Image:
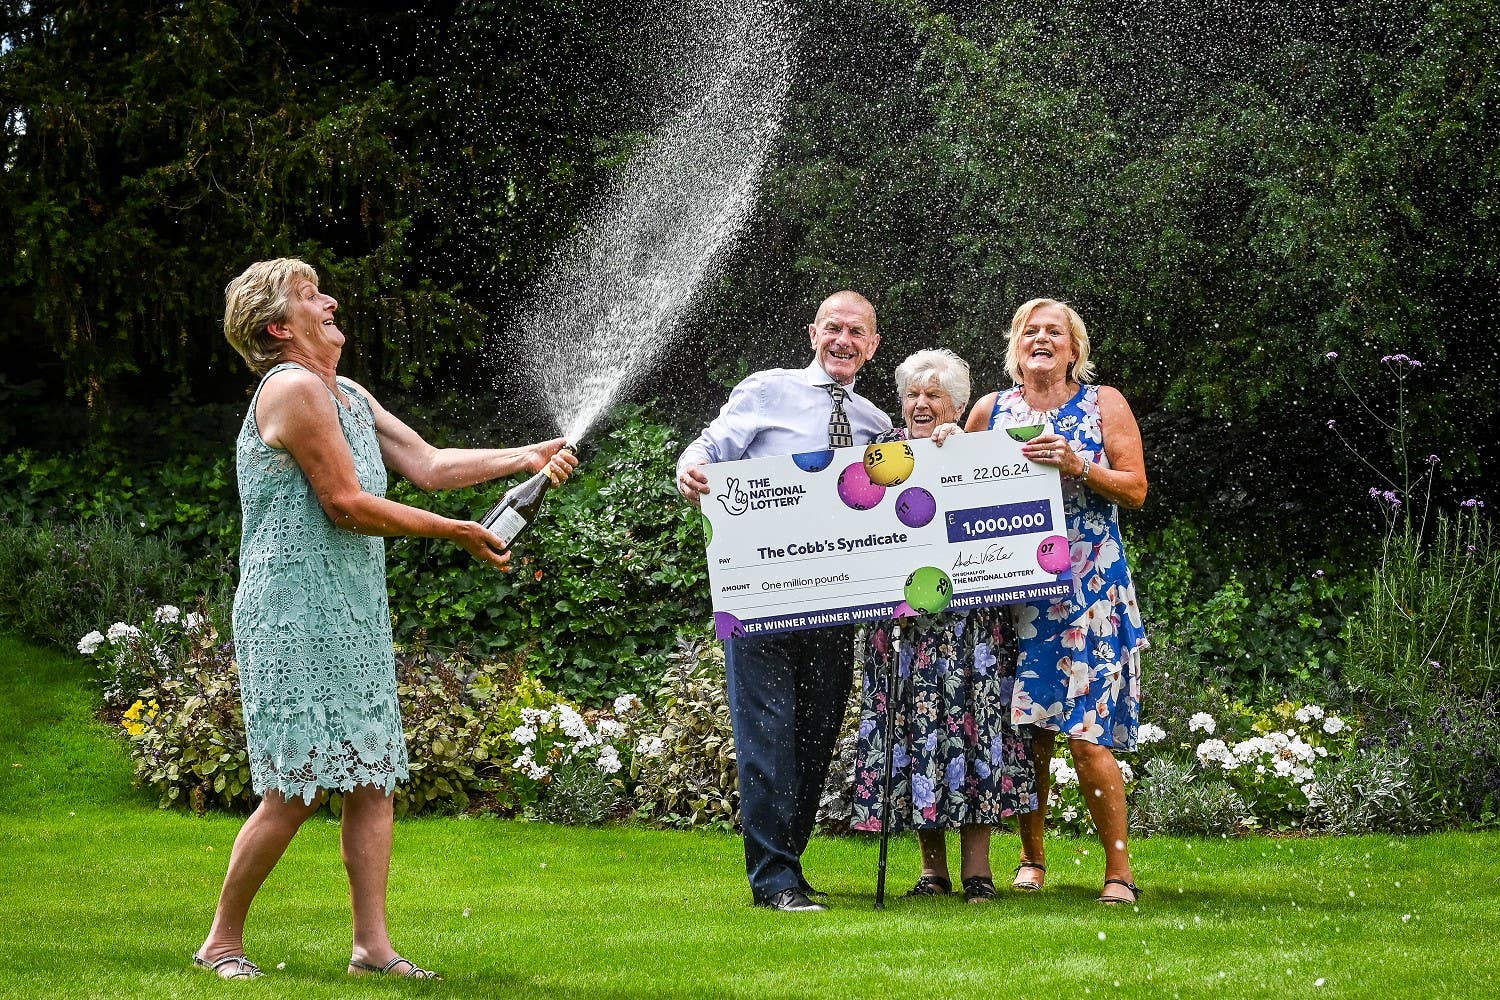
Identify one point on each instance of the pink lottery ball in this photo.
(1052, 554)
(857, 490)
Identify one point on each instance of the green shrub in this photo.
(59, 581)
(1366, 793)
(578, 794)
(1267, 624)
(1172, 797)
(600, 585)
(687, 776)
(187, 729)
(1423, 659)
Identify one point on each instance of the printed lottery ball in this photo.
(928, 590)
(727, 626)
(1025, 433)
(708, 529)
(1052, 554)
(856, 489)
(889, 463)
(915, 507)
(814, 461)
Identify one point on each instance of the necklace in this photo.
(1069, 389)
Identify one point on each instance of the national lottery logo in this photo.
(757, 494)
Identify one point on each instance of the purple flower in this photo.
(1400, 359)
(1318, 573)
(1433, 460)
(1332, 356)
(1330, 425)
(1472, 502)
(955, 773)
(1374, 493)
(922, 791)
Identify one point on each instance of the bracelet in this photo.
(1083, 476)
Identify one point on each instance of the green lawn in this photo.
(102, 895)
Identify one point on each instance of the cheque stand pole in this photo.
(890, 757)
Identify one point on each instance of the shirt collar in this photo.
(817, 377)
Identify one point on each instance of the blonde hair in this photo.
(950, 370)
(255, 300)
(1080, 370)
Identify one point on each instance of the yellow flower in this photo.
(138, 716)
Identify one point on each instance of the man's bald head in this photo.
(848, 299)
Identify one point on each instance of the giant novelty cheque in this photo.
(884, 530)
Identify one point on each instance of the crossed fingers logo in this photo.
(735, 500)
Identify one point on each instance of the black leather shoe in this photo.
(792, 901)
(811, 893)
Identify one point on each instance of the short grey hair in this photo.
(255, 300)
(950, 370)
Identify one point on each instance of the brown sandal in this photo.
(1135, 893)
(1021, 886)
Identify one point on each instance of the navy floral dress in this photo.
(1079, 667)
(959, 760)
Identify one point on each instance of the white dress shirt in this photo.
(781, 412)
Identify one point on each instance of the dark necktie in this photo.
(839, 433)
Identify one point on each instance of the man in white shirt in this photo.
(787, 689)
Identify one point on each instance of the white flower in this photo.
(168, 614)
(523, 735)
(609, 760)
(192, 621)
(1203, 721)
(627, 704)
(1149, 733)
(1308, 713)
(537, 717)
(1127, 774)
(119, 631)
(571, 723)
(1062, 774)
(1069, 814)
(1333, 724)
(609, 729)
(1216, 752)
(91, 642)
(650, 746)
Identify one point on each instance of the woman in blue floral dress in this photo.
(1078, 669)
(959, 764)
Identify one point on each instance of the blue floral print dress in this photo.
(1078, 671)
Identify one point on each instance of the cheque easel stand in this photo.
(892, 673)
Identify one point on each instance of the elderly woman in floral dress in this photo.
(1078, 671)
(958, 762)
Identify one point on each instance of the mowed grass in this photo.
(103, 895)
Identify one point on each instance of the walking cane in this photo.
(890, 757)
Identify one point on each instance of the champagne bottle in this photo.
(520, 505)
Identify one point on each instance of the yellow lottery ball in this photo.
(889, 463)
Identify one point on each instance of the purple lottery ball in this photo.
(856, 489)
(915, 507)
(727, 626)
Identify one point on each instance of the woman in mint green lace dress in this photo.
(311, 621)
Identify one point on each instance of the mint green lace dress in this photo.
(312, 625)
